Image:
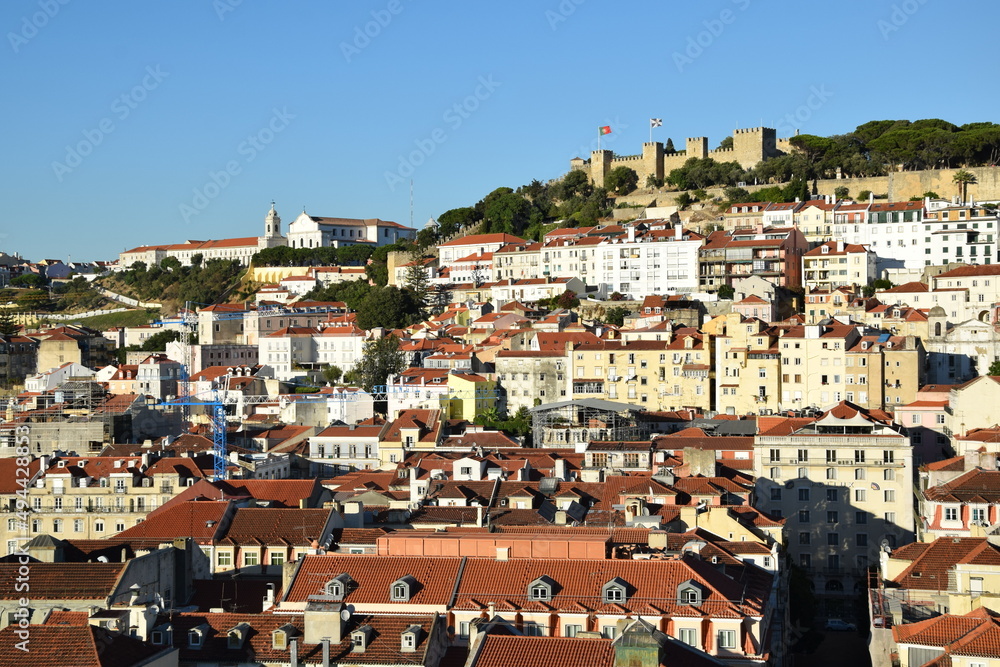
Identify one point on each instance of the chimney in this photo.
(479, 515)
(325, 643)
(678, 232)
(561, 518)
(871, 197)
(689, 517)
(657, 539)
(503, 554)
(840, 245)
(269, 596)
(630, 231)
(293, 652)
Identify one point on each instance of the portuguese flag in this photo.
(605, 129)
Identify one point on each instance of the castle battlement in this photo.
(751, 146)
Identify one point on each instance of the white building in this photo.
(309, 231)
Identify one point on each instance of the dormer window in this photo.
(339, 586)
(360, 639)
(615, 590)
(409, 639)
(195, 637)
(541, 589)
(280, 637)
(403, 589)
(689, 593)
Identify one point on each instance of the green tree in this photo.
(197, 258)
(841, 192)
(725, 144)
(726, 292)
(34, 300)
(616, 315)
(621, 180)
(994, 369)
(506, 213)
(8, 327)
(170, 264)
(864, 195)
(387, 307)
(963, 178)
(332, 374)
(416, 279)
(653, 182)
(28, 280)
(669, 147)
(683, 200)
(380, 359)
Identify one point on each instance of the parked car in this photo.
(840, 625)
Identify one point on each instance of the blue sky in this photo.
(130, 123)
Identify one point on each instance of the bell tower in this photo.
(272, 229)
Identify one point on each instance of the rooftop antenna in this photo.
(411, 202)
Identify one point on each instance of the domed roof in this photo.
(431, 224)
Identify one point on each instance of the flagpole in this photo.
(598, 138)
(650, 131)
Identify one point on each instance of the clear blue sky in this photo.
(332, 113)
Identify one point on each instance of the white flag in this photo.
(656, 122)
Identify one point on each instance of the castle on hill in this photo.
(750, 147)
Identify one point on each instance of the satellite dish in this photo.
(345, 615)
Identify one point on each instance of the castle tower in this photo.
(754, 144)
(697, 147)
(600, 165)
(652, 161)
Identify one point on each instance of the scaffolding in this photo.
(568, 423)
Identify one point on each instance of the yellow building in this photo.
(748, 367)
(469, 394)
(657, 375)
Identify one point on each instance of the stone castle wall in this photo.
(750, 146)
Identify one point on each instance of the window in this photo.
(727, 639)
(951, 514)
(540, 592)
(803, 516)
(890, 495)
(277, 559)
(862, 539)
(889, 475)
(832, 539)
(689, 636)
(831, 517)
(250, 558)
(571, 630)
(463, 629)
(57, 525)
(775, 494)
(859, 473)
(860, 517)
(225, 558)
(831, 495)
(804, 495)
(890, 517)
(690, 596)
(831, 473)
(804, 538)
(859, 495)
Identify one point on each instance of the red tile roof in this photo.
(931, 563)
(271, 526)
(73, 646)
(62, 581)
(374, 576)
(510, 651)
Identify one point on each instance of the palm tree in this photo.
(962, 178)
